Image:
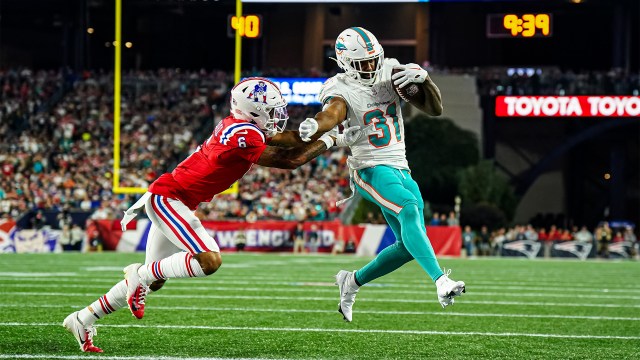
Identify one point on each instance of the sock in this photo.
(388, 260)
(416, 241)
(179, 265)
(113, 300)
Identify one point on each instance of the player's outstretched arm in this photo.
(332, 114)
(291, 158)
(413, 73)
(289, 138)
(283, 158)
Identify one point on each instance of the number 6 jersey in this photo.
(378, 105)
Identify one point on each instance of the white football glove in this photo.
(307, 129)
(350, 136)
(411, 73)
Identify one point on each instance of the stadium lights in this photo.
(128, 44)
(90, 30)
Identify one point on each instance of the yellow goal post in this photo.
(117, 87)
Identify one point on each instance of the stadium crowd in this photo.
(62, 154)
(61, 126)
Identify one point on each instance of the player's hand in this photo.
(411, 73)
(307, 129)
(350, 136)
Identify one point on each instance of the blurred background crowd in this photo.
(61, 126)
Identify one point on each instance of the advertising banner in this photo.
(568, 106)
(267, 236)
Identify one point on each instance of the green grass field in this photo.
(284, 307)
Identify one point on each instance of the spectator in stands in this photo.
(530, 233)
(484, 240)
(77, 237)
(554, 235)
(468, 239)
(618, 237)
(584, 235)
(604, 235)
(435, 220)
(498, 240)
(240, 239)
(313, 239)
(453, 220)
(38, 221)
(299, 238)
(566, 235)
(350, 246)
(338, 244)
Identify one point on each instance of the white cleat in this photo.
(344, 279)
(448, 289)
(83, 334)
(136, 290)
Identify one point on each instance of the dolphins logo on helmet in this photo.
(360, 55)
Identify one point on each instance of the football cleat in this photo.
(448, 289)
(83, 334)
(347, 293)
(136, 290)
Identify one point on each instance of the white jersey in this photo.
(380, 104)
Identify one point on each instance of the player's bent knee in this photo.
(209, 261)
(157, 285)
(410, 211)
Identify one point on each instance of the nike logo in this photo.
(80, 338)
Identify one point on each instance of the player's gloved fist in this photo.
(411, 73)
(349, 136)
(307, 129)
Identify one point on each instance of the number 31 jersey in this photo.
(383, 144)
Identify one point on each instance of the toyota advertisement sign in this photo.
(568, 106)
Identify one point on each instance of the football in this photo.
(413, 93)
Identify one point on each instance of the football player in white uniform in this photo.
(364, 95)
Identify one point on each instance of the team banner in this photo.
(620, 250)
(568, 106)
(14, 240)
(574, 249)
(527, 248)
(268, 236)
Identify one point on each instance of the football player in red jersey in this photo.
(178, 246)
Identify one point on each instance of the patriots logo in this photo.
(259, 93)
(529, 248)
(579, 249)
(620, 248)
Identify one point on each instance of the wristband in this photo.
(327, 140)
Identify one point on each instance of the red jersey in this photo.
(220, 161)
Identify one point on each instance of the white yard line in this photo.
(375, 312)
(309, 298)
(357, 331)
(310, 284)
(332, 289)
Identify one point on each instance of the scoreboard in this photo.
(519, 25)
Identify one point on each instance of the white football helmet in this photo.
(360, 55)
(259, 100)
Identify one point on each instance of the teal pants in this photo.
(399, 197)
